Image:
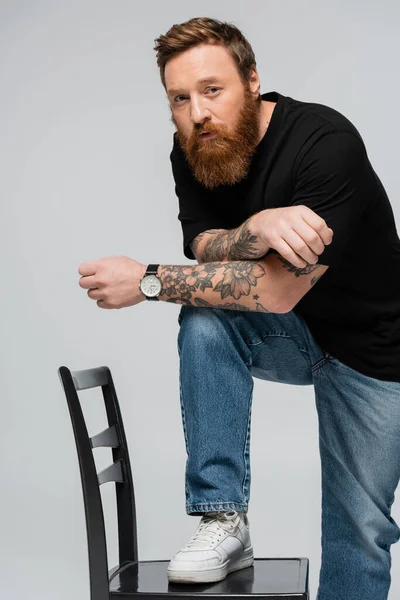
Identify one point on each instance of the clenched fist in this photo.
(113, 281)
(296, 232)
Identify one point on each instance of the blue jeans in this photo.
(359, 436)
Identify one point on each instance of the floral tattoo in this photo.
(182, 284)
(235, 244)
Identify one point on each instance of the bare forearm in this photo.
(236, 285)
(242, 243)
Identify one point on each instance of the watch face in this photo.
(150, 285)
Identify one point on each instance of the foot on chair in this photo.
(220, 545)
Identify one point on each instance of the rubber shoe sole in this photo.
(240, 561)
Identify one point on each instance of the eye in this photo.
(176, 99)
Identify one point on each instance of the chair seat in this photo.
(273, 578)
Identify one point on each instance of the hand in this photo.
(113, 281)
(296, 232)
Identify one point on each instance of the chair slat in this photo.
(108, 438)
(111, 473)
(90, 378)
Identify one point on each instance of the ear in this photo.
(254, 82)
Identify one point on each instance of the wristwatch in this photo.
(150, 284)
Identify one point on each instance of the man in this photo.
(275, 195)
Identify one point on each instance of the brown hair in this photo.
(202, 30)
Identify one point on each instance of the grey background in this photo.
(85, 173)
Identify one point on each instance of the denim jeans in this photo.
(359, 435)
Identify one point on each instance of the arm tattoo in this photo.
(229, 305)
(196, 285)
(314, 280)
(196, 242)
(236, 244)
(296, 270)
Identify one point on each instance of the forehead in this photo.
(205, 62)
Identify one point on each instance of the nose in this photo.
(198, 111)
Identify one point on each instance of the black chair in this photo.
(268, 578)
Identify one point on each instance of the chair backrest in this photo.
(119, 472)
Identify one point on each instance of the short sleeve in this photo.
(335, 179)
(195, 207)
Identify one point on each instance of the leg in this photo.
(359, 420)
(220, 351)
(216, 390)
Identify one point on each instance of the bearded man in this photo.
(296, 282)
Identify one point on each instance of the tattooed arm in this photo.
(219, 245)
(297, 233)
(265, 285)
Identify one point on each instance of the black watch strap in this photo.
(152, 270)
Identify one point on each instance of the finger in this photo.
(94, 294)
(102, 304)
(300, 247)
(286, 252)
(309, 236)
(87, 268)
(318, 224)
(88, 282)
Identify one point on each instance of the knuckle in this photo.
(274, 237)
(301, 246)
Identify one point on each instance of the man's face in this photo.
(222, 106)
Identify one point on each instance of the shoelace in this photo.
(209, 530)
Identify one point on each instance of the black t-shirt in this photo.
(312, 155)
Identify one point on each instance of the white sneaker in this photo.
(220, 545)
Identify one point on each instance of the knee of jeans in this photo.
(199, 325)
